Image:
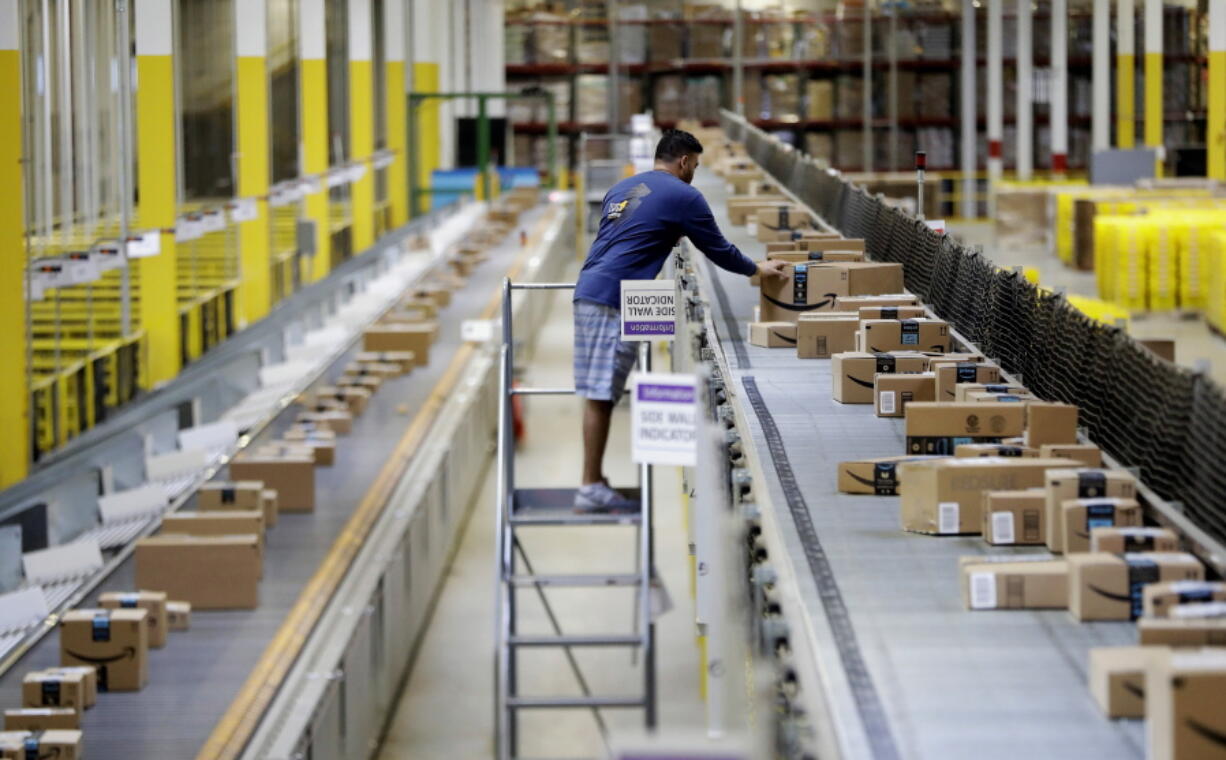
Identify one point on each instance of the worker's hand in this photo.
(771, 269)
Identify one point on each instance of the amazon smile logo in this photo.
(803, 307)
(861, 383)
(1110, 594)
(1211, 734)
(783, 337)
(128, 653)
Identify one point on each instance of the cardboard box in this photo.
(439, 294)
(962, 390)
(744, 179)
(222, 494)
(1087, 454)
(1117, 679)
(803, 288)
(853, 372)
(1019, 585)
(1048, 422)
(53, 689)
(877, 477)
(42, 719)
(950, 374)
(1184, 715)
(1014, 518)
(337, 420)
(355, 399)
(937, 428)
(271, 506)
(179, 615)
(945, 496)
(880, 335)
(1121, 540)
(1082, 515)
(999, 398)
(152, 602)
(892, 392)
(89, 674)
(322, 443)
(964, 450)
(291, 475)
(1182, 632)
(742, 208)
(1109, 586)
(798, 257)
(368, 383)
(772, 334)
(891, 312)
(403, 359)
(210, 572)
(416, 338)
(382, 370)
(816, 242)
(116, 642)
(60, 744)
(1084, 483)
(867, 278)
(778, 222)
(1158, 599)
(857, 302)
(216, 524)
(819, 336)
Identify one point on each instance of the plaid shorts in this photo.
(602, 359)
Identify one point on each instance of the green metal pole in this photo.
(483, 147)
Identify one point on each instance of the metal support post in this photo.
(1025, 90)
(921, 164)
(1153, 82)
(1125, 75)
(483, 149)
(966, 95)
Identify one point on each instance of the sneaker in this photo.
(599, 498)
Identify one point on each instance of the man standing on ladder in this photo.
(642, 218)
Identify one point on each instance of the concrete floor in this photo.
(1196, 345)
(446, 711)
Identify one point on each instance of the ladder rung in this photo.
(571, 518)
(584, 581)
(542, 391)
(579, 702)
(577, 640)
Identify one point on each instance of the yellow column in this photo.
(313, 118)
(1153, 80)
(1215, 131)
(426, 129)
(361, 122)
(1125, 76)
(14, 395)
(157, 158)
(251, 45)
(397, 126)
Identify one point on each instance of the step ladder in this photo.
(523, 508)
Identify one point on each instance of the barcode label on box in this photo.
(887, 402)
(947, 517)
(1002, 528)
(983, 591)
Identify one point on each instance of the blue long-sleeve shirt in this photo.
(642, 218)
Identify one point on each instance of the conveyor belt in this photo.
(194, 678)
(951, 683)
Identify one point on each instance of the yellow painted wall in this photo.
(426, 128)
(1153, 104)
(1125, 101)
(1216, 132)
(156, 159)
(398, 172)
(362, 144)
(253, 172)
(14, 395)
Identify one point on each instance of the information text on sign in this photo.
(648, 309)
(663, 419)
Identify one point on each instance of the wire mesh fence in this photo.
(1168, 421)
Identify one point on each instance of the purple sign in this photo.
(649, 328)
(675, 394)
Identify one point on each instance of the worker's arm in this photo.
(699, 226)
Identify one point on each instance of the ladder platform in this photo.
(555, 506)
(577, 640)
(528, 703)
(577, 581)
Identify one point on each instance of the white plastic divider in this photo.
(143, 501)
(63, 562)
(21, 609)
(215, 437)
(175, 464)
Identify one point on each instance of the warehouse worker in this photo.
(642, 218)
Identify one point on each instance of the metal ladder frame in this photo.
(507, 641)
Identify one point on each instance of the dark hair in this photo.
(676, 143)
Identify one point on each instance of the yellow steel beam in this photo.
(1215, 133)
(157, 158)
(1153, 80)
(14, 395)
(253, 149)
(313, 116)
(361, 122)
(1125, 76)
